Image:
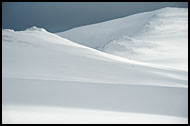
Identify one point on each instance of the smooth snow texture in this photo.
(42, 69)
(37, 54)
(57, 115)
(157, 37)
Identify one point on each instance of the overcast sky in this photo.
(60, 16)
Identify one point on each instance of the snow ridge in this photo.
(34, 28)
(7, 30)
(157, 37)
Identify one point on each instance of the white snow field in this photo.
(157, 37)
(49, 79)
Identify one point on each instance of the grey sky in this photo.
(60, 16)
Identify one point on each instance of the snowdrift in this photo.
(41, 69)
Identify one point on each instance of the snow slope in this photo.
(58, 115)
(43, 73)
(157, 37)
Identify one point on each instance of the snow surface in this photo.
(59, 115)
(49, 79)
(158, 37)
(34, 28)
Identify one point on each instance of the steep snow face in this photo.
(42, 69)
(158, 37)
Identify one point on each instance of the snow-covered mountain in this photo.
(158, 37)
(49, 79)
